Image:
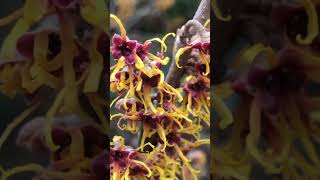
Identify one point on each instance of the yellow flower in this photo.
(126, 162)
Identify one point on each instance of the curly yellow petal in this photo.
(313, 26)
(17, 121)
(179, 53)
(122, 29)
(217, 11)
(164, 40)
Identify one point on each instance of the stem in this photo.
(201, 15)
(203, 11)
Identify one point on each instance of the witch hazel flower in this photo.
(197, 100)
(56, 63)
(126, 162)
(276, 88)
(137, 69)
(125, 52)
(197, 86)
(204, 54)
(150, 107)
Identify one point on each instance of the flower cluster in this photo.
(62, 59)
(170, 120)
(275, 123)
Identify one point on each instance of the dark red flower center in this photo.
(125, 49)
(119, 156)
(198, 86)
(283, 79)
(286, 77)
(148, 120)
(142, 50)
(173, 138)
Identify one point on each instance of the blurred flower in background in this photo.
(265, 99)
(55, 57)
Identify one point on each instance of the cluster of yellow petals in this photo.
(169, 112)
(148, 68)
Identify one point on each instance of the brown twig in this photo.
(203, 11)
(184, 35)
